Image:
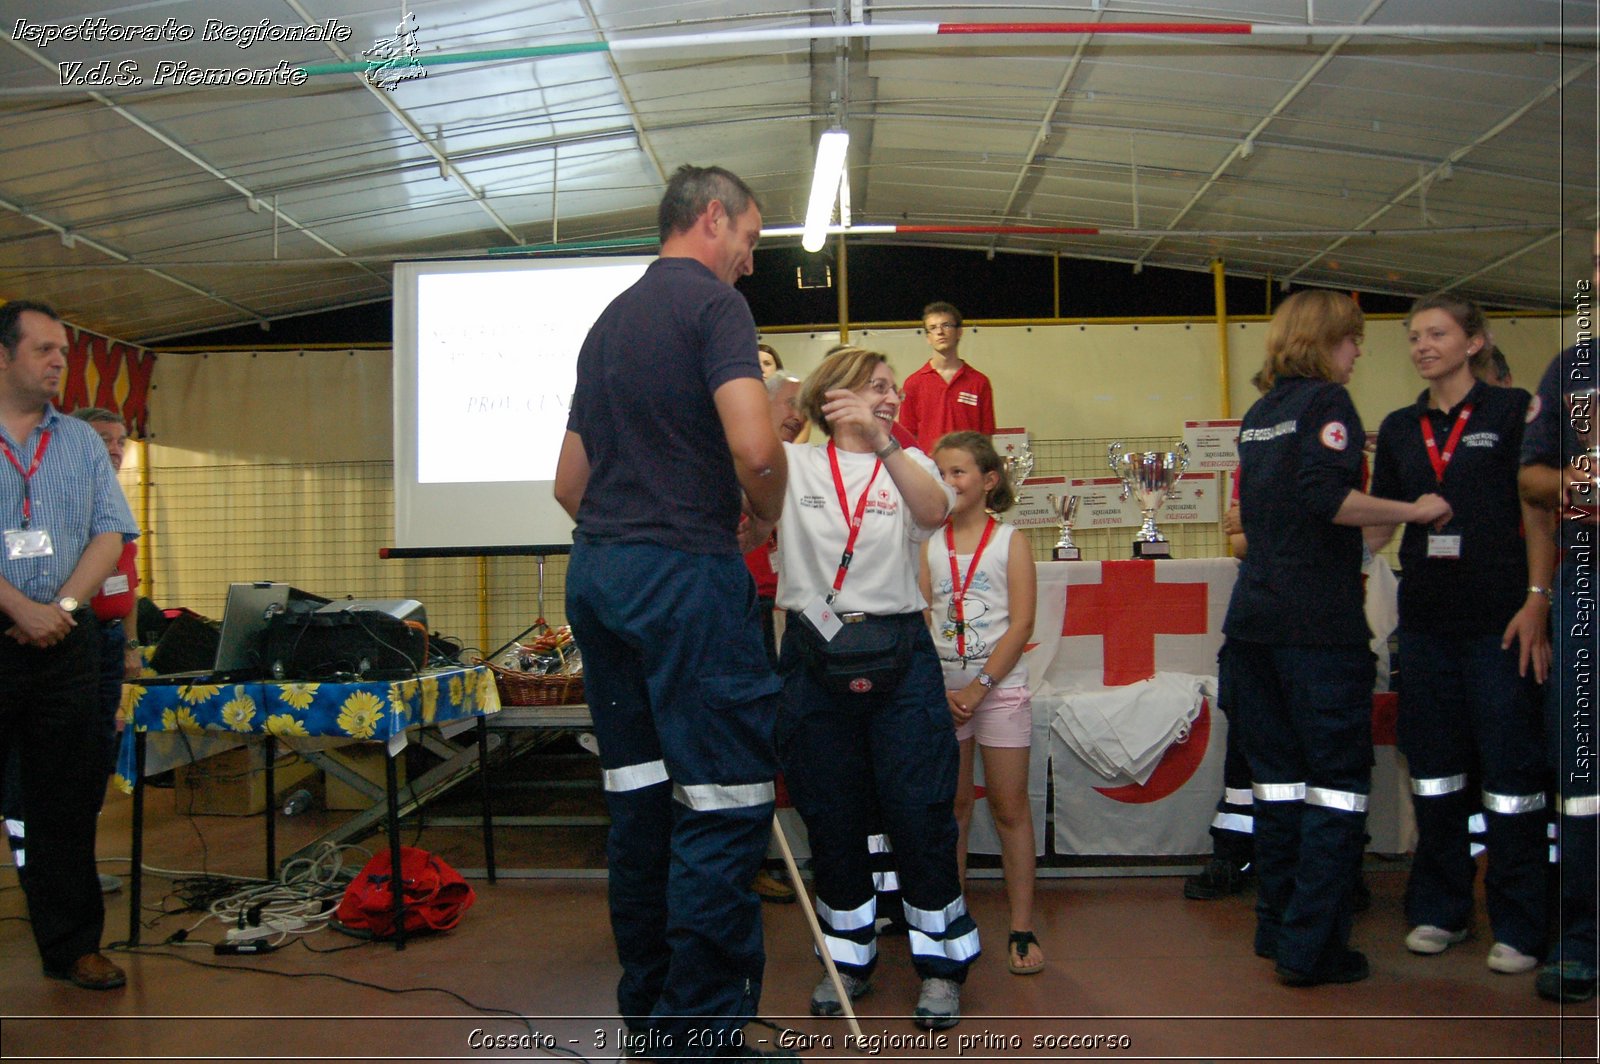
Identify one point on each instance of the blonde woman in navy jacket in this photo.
(1297, 639)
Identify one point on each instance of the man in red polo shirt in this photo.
(946, 394)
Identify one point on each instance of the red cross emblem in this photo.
(1334, 436)
(1128, 608)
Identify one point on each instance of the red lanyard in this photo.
(958, 586)
(38, 456)
(1440, 461)
(844, 507)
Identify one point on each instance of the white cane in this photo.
(816, 928)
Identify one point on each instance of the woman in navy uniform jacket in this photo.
(1474, 616)
(1297, 639)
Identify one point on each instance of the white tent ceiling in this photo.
(1404, 160)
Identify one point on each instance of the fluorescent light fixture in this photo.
(824, 187)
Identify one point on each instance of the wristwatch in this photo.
(131, 644)
(68, 603)
(986, 681)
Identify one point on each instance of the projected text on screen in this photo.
(496, 364)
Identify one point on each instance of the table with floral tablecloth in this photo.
(367, 711)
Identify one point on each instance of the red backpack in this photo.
(435, 896)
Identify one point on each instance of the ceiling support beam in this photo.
(385, 99)
(1246, 146)
(1426, 179)
(627, 101)
(71, 238)
(1046, 129)
(1489, 267)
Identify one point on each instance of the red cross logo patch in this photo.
(1334, 436)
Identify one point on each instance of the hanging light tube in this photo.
(824, 187)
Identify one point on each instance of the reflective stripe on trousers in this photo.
(634, 777)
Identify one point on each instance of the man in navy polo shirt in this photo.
(65, 521)
(669, 422)
(1558, 473)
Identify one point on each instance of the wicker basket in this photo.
(537, 689)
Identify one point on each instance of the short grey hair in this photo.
(98, 415)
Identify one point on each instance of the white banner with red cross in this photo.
(1123, 622)
(1109, 624)
(1103, 625)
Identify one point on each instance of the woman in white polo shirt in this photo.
(864, 734)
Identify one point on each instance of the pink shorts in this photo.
(1003, 718)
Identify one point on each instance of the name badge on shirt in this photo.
(28, 543)
(822, 617)
(116, 584)
(1444, 545)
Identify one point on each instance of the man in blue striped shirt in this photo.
(64, 520)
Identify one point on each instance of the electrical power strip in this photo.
(268, 928)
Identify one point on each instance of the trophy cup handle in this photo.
(1182, 452)
(1113, 452)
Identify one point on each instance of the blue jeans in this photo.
(1466, 714)
(684, 704)
(1306, 715)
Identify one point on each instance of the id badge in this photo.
(822, 617)
(1444, 545)
(28, 543)
(116, 584)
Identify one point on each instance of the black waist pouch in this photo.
(870, 655)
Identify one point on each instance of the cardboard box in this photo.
(366, 759)
(234, 782)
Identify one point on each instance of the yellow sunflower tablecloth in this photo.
(210, 718)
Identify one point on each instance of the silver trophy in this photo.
(1066, 509)
(1019, 466)
(1152, 478)
(1581, 418)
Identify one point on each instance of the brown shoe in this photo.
(92, 971)
(768, 888)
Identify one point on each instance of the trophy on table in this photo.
(1019, 466)
(1151, 477)
(1066, 508)
(1581, 417)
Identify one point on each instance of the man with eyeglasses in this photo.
(946, 394)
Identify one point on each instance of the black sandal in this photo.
(1022, 940)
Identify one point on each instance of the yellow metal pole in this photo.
(1220, 289)
(844, 294)
(1055, 284)
(483, 602)
(147, 556)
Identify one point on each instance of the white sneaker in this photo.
(939, 1006)
(825, 998)
(1509, 960)
(1428, 940)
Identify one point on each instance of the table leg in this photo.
(269, 780)
(483, 790)
(391, 778)
(136, 873)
